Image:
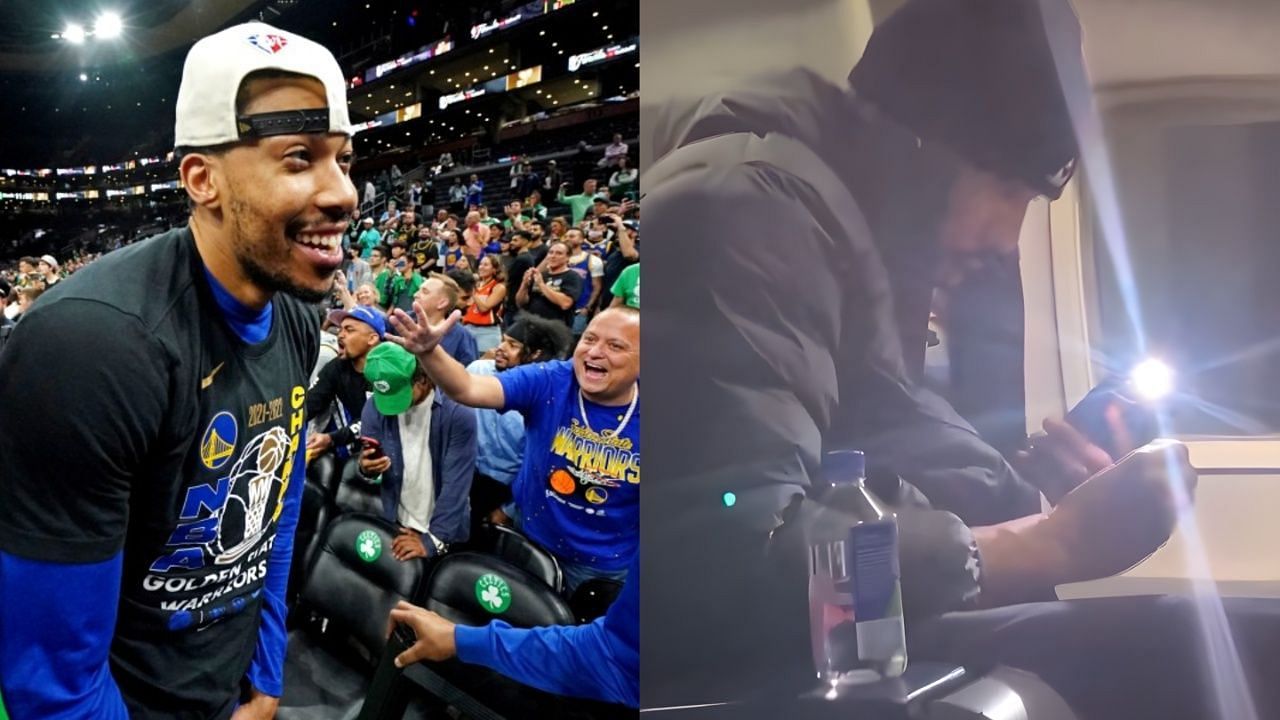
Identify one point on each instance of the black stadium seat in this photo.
(354, 580)
(355, 494)
(515, 548)
(452, 590)
(593, 597)
(317, 497)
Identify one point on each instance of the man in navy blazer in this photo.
(426, 454)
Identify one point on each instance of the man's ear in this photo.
(201, 177)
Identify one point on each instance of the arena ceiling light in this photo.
(73, 34)
(108, 25)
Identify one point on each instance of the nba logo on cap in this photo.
(270, 44)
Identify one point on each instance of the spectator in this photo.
(408, 226)
(457, 194)
(438, 298)
(415, 195)
(496, 241)
(392, 212)
(533, 206)
(370, 196)
(475, 191)
(591, 269)
(600, 206)
(403, 284)
(382, 273)
(578, 204)
(483, 316)
(623, 180)
(626, 289)
(452, 250)
(484, 216)
(475, 236)
(351, 237)
(615, 151)
(396, 177)
(391, 230)
(466, 282)
(425, 248)
(559, 224)
(577, 493)
(517, 262)
(48, 269)
(551, 293)
(427, 458)
(538, 244)
(626, 251)
(26, 297)
(442, 219)
(367, 295)
(369, 237)
(501, 434)
(553, 178)
(337, 398)
(446, 161)
(27, 270)
(356, 270)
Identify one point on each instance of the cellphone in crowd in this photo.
(372, 444)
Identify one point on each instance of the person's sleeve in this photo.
(451, 519)
(619, 286)
(525, 386)
(320, 395)
(599, 661)
(596, 266)
(266, 672)
(54, 652)
(67, 458)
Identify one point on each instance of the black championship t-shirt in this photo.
(154, 429)
(567, 282)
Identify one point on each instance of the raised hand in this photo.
(419, 338)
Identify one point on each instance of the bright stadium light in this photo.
(74, 34)
(109, 25)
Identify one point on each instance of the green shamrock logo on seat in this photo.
(368, 546)
(493, 593)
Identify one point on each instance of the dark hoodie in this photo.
(792, 338)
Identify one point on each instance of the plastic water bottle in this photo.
(855, 598)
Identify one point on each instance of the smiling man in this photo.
(143, 564)
(578, 489)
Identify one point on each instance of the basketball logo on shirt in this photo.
(218, 443)
(243, 517)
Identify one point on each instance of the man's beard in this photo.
(272, 280)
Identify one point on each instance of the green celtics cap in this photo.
(389, 369)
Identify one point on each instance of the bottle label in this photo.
(872, 556)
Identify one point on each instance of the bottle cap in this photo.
(844, 467)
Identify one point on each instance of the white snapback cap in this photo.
(218, 64)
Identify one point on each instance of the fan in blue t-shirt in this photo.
(578, 489)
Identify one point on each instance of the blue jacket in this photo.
(453, 464)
